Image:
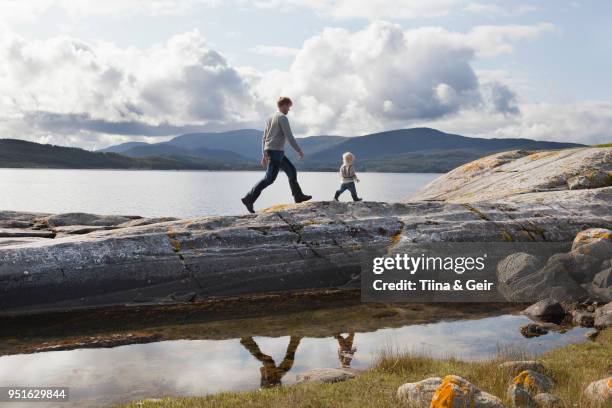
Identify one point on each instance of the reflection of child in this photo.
(347, 172)
(346, 351)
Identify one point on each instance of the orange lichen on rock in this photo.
(523, 379)
(174, 243)
(592, 234)
(474, 165)
(396, 238)
(532, 381)
(454, 391)
(540, 155)
(278, 207)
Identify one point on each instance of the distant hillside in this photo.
(171, 150)
(121, 148)
(403, 150)
(23, 154)
(427, 141)
(420, 150)
(245, 144)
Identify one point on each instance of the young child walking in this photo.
(347, 173)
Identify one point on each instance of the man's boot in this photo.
(248, 203)
(301, 198)
(336, 196)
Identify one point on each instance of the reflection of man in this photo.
(346, 351)
(271, 374)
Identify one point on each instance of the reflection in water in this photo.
(346, 351)
(271, 374)
(103, 377)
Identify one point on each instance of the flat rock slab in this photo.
(327, 375)
(59, 220)
(21, 241)
(20, 219)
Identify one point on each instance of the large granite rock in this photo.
(546, 310)
(524, 277)
(600, 391)
(603, 316)
(451, 391)
(125, 260)
(581, 273)
(533, 382)
(418, 394)
(455, 391)
(519, 397)
(507, 174)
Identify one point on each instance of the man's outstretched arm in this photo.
(284, 124)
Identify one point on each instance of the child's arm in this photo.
(354, 174)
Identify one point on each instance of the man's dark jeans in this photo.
(277, 161)
(350, 186)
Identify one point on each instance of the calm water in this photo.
(178, 193)
(102, 377)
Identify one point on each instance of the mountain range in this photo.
(403, 150)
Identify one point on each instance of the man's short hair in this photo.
(284, 100)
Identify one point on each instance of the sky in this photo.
(91, 74)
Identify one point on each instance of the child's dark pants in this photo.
(350, 186)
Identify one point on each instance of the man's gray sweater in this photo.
(277, 132)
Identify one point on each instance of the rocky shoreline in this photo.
(76, 261)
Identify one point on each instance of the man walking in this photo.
(273, 158)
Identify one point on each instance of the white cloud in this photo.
(491, 40)
(587, 122)
(384, 76)
(65, 85)
(67, 91)
(494, 10)
(275, 51)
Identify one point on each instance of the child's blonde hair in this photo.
(348, 158)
